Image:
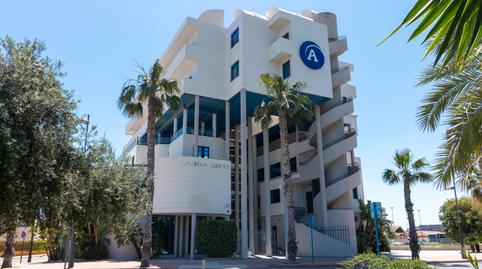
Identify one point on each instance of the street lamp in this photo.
(461, 235)
(419, 219)
(393, 219)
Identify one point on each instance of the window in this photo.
(355, 193)
(203, 152)
(261, 175)
(275, 170)
(234, 70)
(133, 160)
(309, 202)
(293, 165)
(259, 202)
(287, 35)
(286, 70)
(275, 196)
(234, 37)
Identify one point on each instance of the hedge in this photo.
(38, 247)
(216, 238)
(370, 260)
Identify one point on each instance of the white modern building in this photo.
(214, 161)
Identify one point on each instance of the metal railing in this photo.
(336, 70)
(330, 106)
(346, 135)
(340, 233)
(352, 169)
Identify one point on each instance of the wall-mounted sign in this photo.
(311, 55)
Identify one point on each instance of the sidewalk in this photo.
(434, 256)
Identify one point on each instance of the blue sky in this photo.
(100, 42)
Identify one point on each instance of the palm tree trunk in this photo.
(286, 168)
(147, 234)
(9, 249)
(414, 247)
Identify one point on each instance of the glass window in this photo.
(286, 70)
(275, 196)
(234, 70)
(355, 193)
(133, 160)
(309, 202)
(235, 37)
(261, 175)
(287, 35)
(275, 170)
(293, 165)
(203, 152)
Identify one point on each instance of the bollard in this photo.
(203, 264)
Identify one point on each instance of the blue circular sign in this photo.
(311, 55)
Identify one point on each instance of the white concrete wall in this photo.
(192, 185)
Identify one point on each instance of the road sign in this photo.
(376, 210)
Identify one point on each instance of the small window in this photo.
(261, 175)
(275, 196)
(286, 70)
(355, 193)
(309, 202)
(275, 170)
(293, 165)
(287, 35)
(235, 37)
(133, 160)
(203, 152)
(259, 202)
(234, 70)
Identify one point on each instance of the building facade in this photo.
(214, 161)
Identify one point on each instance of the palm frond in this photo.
(390, 177)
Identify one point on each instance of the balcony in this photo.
(338, 45)
(346, 183)
(183, 62)
(280, 50)
(190, 130)
(339, 146)
(340, 76)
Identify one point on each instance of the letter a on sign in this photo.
(312, 56)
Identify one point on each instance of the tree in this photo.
(469, 212)
(286, 101)
(409, 172)
(37, 127)
(157, 92)
(365, 231)
(456, 28)
(456, 98)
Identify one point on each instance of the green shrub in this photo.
(371, 261)
(216, 238)
(38, 247)
(88, 249)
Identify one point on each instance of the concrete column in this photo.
(214, 125)
(186, 236)
(319, 202)
(251, 195)
(196, 124)
(244, 178)
(267, 193)
(227, 131)
(236, 188)
(193, 234)
(255, 194)
(176, 235)
(174, 127)
(181, 237)
(184, 121)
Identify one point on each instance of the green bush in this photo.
(371, 261)
(88, 249)
(38, 247)
(216, 238)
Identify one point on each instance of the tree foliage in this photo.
(216, 238)
(469, 212)
(365, 231)
(453, 28)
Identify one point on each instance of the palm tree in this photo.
(456, 27)
(157, 92)
(457, 96)
(286, 101)
(409, 172)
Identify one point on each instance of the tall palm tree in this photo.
(457, 98)
(286, 101)
(157, 92)
(456, 27)
(409, 172)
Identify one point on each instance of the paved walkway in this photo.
(434, 256)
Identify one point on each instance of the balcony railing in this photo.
(347, 134)
(332, 39)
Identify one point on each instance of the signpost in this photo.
(312, 223)
(376, 213)
(24, 234)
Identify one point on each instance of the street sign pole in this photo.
(376, 235)
(376, 213)
(24, 234)
(312, 223)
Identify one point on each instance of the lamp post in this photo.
(393, 218)
(419, 218)
(461, 233)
